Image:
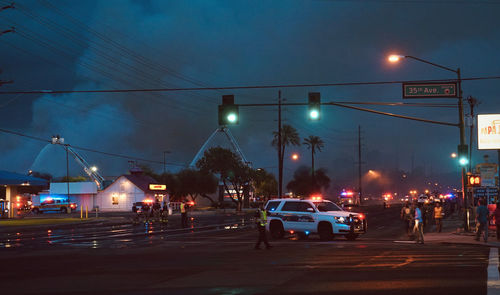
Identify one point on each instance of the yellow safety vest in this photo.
(438, 212)
(183, 208)
(263, 217)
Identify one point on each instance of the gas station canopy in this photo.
(16, 179)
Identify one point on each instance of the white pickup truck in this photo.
(305, 217)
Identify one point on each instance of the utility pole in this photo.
(472, 102)
(280, 156)
(359, 166)
(67, 169)
(462, 144)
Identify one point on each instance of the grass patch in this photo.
(40, 221)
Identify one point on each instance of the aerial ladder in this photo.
(90, 170)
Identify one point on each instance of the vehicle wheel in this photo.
(325, 231)
(351, 237)
(64, 210)
(276, 229)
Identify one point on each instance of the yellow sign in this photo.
(157, 187)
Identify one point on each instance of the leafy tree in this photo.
(229, 167)
(46, 176)
(173, 185)
(314, 143)
(302, 184)
(73, 179)
(195, 183)
(289, 136)
(264, 184)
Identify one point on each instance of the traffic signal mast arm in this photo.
(344, 105)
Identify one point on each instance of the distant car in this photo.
(424, 199)
(51, 205)
(306, 217)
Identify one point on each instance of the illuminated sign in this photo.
(428, 90)
(157, 187)
(488, 132)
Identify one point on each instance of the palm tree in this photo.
(314, 143)
(289, 136)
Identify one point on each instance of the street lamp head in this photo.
(93, 168)
(453, 155)
(395, 58)
(295, 156)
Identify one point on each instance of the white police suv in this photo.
(305, 217)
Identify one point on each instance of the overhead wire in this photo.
(251, 86)
(92, 150)
(101, 68)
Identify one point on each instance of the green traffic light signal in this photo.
(463, 161)
(228, 111)
(314, 106)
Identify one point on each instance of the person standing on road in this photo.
(419, 224)
(184, 219)
(438, 216)
(407, 217)
(482, 216)
(261, 226)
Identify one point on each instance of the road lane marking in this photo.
(493, 275)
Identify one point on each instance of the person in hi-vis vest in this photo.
(184, 219)
(261, 226)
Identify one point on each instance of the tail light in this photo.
(361, 216)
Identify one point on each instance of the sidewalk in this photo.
(452, 233)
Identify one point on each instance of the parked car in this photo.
(52, 205)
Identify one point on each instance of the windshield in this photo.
(327, 206)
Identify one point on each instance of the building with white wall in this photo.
(128, 189)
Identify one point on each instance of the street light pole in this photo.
(280, 156)
(395, 58)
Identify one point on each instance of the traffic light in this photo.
(228, 111)
(474, 180)
(463, 160)
(314, 108)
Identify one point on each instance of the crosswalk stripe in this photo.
(493, 275)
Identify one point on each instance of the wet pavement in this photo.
(116, 233)
(217, 257)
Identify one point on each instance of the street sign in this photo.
(487, 172)
(482, 192)
(429, 90)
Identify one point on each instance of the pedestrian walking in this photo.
(407, 217)
(482, 216)
(438, 216)
(184, 219)
(418, 229)
(496, 214)
(261, 226)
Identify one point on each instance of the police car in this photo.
(305, 217)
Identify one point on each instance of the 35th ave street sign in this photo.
(429, 90)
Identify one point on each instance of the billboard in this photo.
(488, 132)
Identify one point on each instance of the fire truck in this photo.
(348, 198)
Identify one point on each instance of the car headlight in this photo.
(340, 219)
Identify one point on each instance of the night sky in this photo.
(168, 44)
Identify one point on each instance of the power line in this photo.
(92, 150)
(244, 87)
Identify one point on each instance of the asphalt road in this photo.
(221, 260)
